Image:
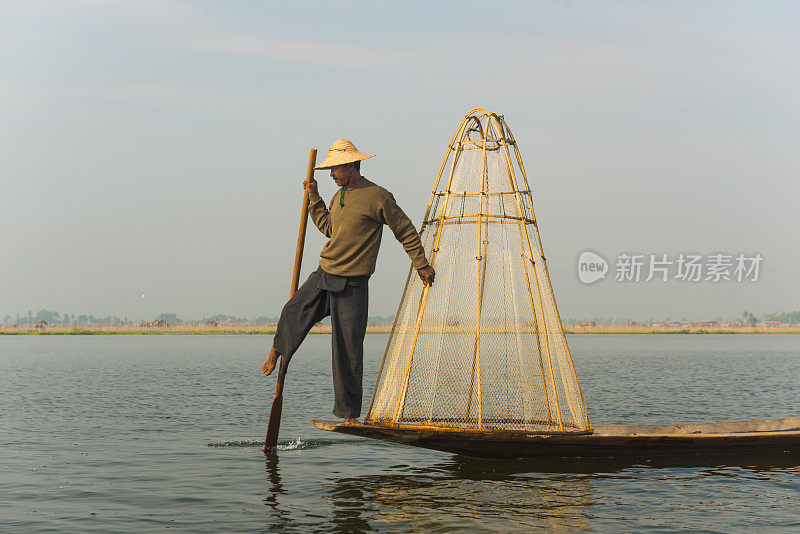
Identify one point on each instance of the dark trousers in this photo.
(345, 299)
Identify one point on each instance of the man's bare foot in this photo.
(269, 365)
(352, 421)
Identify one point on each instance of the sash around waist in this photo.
(336, 284)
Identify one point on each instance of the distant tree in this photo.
(784, 317)
(750, 319)
(50, 317)
(171, 318)
(223, 318)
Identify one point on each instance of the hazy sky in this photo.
(156, 147)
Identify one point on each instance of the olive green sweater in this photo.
(355, 229)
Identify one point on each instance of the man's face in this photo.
(341, 173)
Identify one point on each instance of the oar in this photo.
(271, 442)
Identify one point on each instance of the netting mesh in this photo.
(484, 346)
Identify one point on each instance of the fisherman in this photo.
(353, 225)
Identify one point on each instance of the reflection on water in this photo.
(554, 495)
(422, 502)
(600, 466)
(279, 518)
(489, 496)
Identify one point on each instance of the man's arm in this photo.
(317, 209)
(407, 235)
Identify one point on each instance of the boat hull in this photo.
(614, 441)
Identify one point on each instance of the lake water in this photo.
(143, 433)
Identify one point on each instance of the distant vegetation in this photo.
(53, 322)
(170, 318)
(746, 320)
(784, 317)
(55, 318)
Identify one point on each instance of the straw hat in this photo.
(342, 151)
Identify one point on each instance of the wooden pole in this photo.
(480, 277)
(274, 425)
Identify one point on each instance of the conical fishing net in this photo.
(483, 348)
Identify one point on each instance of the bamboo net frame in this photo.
(484, 347)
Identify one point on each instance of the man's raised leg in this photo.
(308, 306)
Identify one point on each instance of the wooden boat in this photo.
(478, 364)
(615, 441)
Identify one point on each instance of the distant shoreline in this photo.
(383, 329)
(163, 331)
